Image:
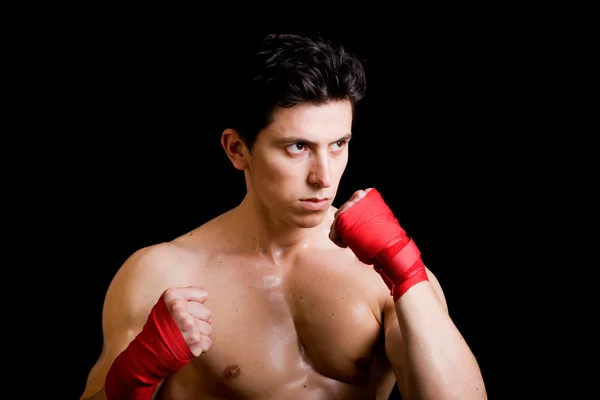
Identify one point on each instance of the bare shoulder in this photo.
(144, 276)
(151, 264)
(139, 284)
(136, 287)
(151, 270)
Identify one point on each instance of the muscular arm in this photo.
(430, 358)
(131, 295)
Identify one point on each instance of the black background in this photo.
(138, 109)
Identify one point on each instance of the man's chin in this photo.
(311, 220)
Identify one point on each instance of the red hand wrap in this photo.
(372, 232)
(156, 353)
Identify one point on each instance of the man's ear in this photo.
(235, 149)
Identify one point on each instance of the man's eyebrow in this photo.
(299, 139)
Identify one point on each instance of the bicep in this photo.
(437, 288)
(127, 303)
(118, 331)
(95, 380)
(394, 347)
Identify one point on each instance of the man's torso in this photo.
(309, 328)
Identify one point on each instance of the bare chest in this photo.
(316, 323)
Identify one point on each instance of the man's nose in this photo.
(320, 173)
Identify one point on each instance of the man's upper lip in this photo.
(316, 199)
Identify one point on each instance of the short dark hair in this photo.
(287, 69)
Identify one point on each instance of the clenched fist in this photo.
(333, 235)
(193, 318)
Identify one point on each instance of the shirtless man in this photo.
(285, 297)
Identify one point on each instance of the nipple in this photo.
(232, 372)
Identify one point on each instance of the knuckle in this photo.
(205, 328)
(170, 294)
(194, 337)
(206, 343)
(187, 322)
(199, 290)
(177, 306)
(359, 193)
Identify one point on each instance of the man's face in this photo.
(299, 159)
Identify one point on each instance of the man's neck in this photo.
(269, 236)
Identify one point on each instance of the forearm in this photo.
(101, 395)
(157, 352)
(438, 362)
(430, 358)
(97, 396)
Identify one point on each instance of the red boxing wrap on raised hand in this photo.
(157, 352)
(371, 231)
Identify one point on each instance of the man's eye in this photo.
(296, 148)
(340, 144)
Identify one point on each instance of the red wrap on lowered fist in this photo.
(371, 231)
(157, 352)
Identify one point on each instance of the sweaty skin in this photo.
(308, 327)
(293, 314)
